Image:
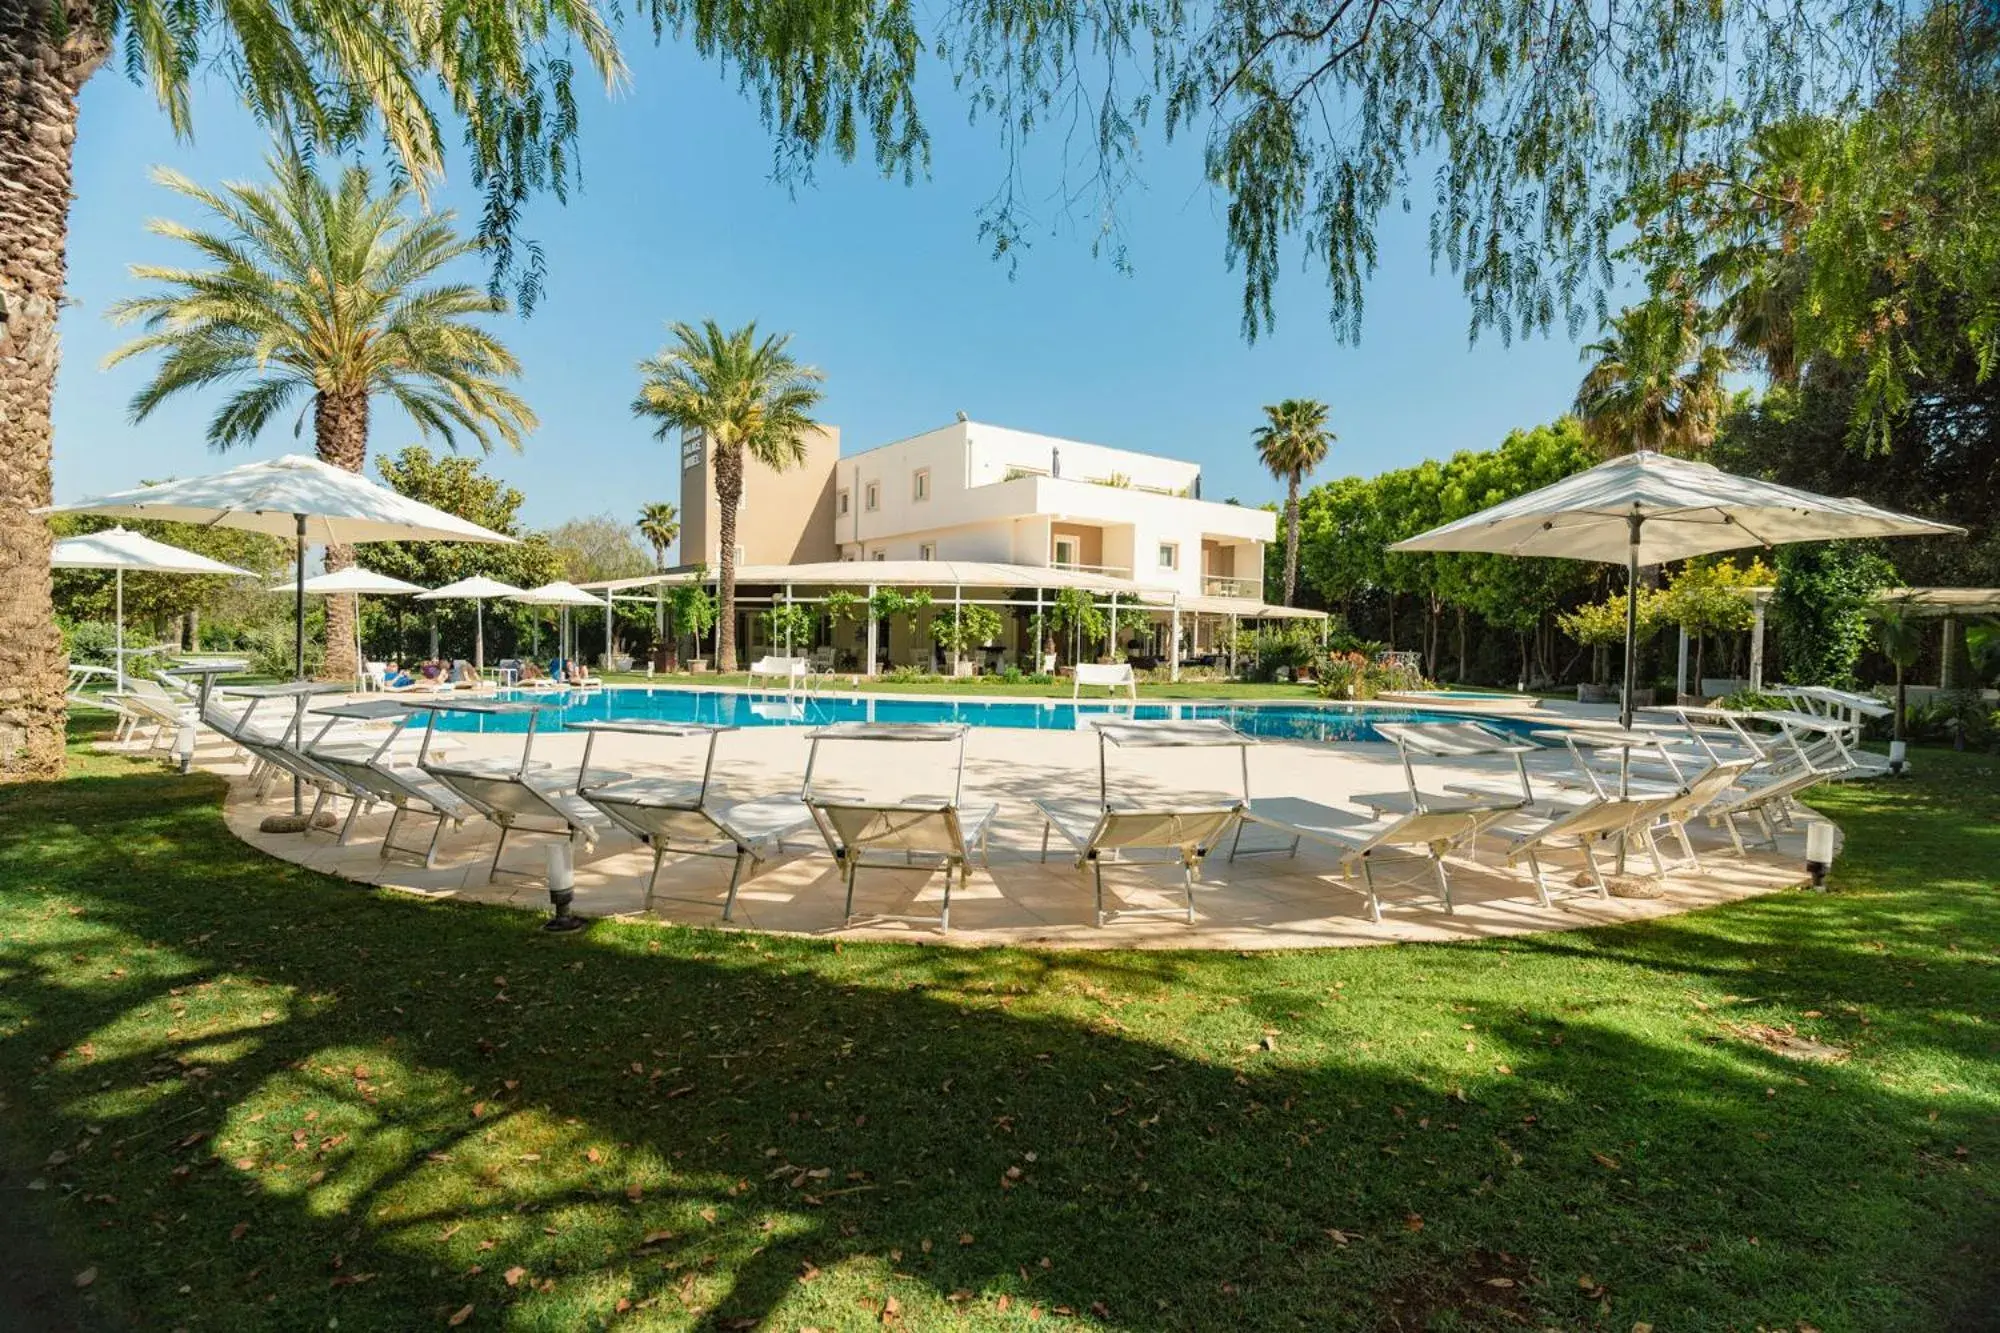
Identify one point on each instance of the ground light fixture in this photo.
(1899, 757)
(1819, 853)
(562, 890)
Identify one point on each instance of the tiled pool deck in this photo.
(1258, 902)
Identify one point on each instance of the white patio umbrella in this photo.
(354, 581)
(565, 595)
(1648, 508)
(476, 589)
(295, 497)
(118, 549)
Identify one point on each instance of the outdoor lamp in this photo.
(1899, 757)
(1819, 852)
(562, 890)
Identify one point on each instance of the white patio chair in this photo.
(675, 814)
(792, 671)
(372, 766)
(939, 830)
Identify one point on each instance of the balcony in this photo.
(1121, 571)
(1215, 585)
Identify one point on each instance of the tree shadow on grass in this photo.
(410, 1108)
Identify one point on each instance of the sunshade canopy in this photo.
(1684, 508)
(119, 548)
(340, 507)
(476, 588)
(559, 593)
(354, 579)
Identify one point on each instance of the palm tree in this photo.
(1901, 638)
(1292, 442)
(1655, 382)
(660, 524)
(323, 76)
(742, 395)
(323, 297)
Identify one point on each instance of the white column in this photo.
(788, 620)
(1035, 652)
(868, 667)
(607, 629)
(1111, 634)
(1681, 669)
(1757, 649)
(1174, 642)
(957, 614)
(1944, 670)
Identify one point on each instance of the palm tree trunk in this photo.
(1291, 537)
(39, 81)
(728, 494)
(340, 429)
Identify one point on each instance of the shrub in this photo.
(1265, 654)
(1351, 675)
(91, 641)
(906, 675)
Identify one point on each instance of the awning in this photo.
(901, 574)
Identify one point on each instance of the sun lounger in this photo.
(516, 795)
(1128, 830)
(1707, 789)
(1104, 676)
(939, 830)
(676, 814)
(1434, 834)
(1625, 819)
(371, 766)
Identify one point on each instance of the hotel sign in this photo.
(691, 447)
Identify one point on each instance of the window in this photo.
(879, 555)
(1066, 553)
(926, 551)
(920, 484)
(1170, 555)
(872, 497)
(840, 504)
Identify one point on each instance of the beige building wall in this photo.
(785, 517)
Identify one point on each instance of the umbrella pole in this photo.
(118, 583)
(1635, 522)
(478, 635)
(299, 601)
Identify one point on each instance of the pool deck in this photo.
(1257, 902)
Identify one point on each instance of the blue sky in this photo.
(886, 287)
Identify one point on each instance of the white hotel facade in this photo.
(988, 507)
(971, 491)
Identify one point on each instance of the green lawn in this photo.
(240, 1095)
(993, 686)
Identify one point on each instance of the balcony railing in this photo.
(1217, 586)
(1122, 571)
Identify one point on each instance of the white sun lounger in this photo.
(1433, 834)
(937, 829)
(1625, 819)
(683, 815)
(1138, 831)
(518, 795)
(372, 767)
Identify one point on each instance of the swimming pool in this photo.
(1306, 722)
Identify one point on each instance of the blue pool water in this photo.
(1309, 722)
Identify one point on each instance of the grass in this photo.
(993, 686)
(241, 1095)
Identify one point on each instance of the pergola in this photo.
(960, 577)
(1945, 604)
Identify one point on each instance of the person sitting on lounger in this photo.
(574, 674)
(532, 671)
(395, 678)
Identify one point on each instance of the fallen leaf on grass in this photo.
(86, 1277)
(1608, 1163)
(1413, 1222)
(236, 1232)
(514, 1275)
(464, 1313)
